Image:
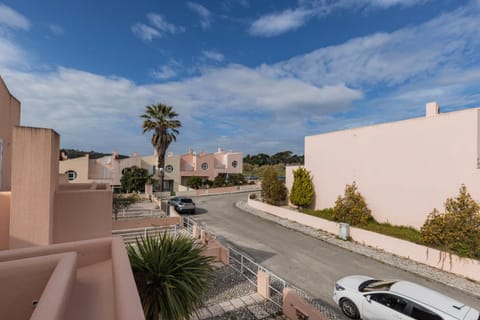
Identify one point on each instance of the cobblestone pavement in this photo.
(234, 297)
(228, 284)
(447, 278)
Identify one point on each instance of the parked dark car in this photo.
(182, 204)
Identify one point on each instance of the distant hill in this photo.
(74, 153)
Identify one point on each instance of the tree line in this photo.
(283, 157)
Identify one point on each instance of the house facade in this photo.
(177, 170)
(404, 169)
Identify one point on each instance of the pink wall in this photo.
(82, 214)
(101, 286)
(294, 306)
(9, 117)
(34, 181)
(404, 169)
(305, 219)
(462, 266)
(5, 198)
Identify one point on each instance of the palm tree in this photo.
(171, 274)
(159, 118)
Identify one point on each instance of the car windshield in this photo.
(376, 285)
(184, 200)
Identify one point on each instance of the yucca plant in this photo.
(171, 275)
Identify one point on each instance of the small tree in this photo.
(172, 274)
(194, 182)
(122, 202)
(219, 181)
(273, 190)
(134, 179)
(458, 229)
(303, 190)
(351, 208)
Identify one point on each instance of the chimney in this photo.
(219, 150)
(432, 109)
(190, 151)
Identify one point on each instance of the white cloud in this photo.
(213, 55)
(159, 27)
(12, 18)
(408, 54)
(278, 23)
(204, 13)
(271, 106)
(84, 107)
(11, 55)
(159, 22)
(57, 30)
(145, 32)
(274, 24)
(168, 71)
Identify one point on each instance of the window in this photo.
(234, 163)
(205, 166)
(391, 301)
(71, 175)
(421, 313)
(169, 168)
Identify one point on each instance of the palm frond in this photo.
(171, 275)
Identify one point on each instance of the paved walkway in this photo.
(250, 302)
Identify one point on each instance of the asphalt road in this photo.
(310, 264)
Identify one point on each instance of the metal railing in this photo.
(246, 266)
(130, 235)
(188, 224)
(249, 269)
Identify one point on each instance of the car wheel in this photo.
(349, 309)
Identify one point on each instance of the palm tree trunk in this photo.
(160, 165)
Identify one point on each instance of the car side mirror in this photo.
(369, 298)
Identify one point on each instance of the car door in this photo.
(384, 306)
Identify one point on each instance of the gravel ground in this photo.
(450, 279)
(228, 284)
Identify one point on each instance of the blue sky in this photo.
(252, 76)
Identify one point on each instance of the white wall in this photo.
(404, 169)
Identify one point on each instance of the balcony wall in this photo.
(82, 214)
(5, 198)
(78, 280)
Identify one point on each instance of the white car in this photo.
(372, 299)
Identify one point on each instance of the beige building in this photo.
(404, 169)
(178, 168)
(58, 259)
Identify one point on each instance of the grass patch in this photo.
(399, 232)
(324, 213)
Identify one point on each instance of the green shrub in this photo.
(351, 208)
(273, 190)
(194, 182)
(303, 190)
(457, 230)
